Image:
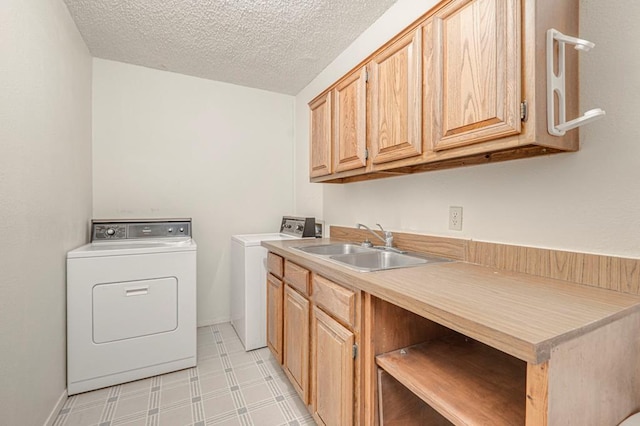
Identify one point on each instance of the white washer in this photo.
(249, 277)
(131, 303)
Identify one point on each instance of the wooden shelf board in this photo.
(401, 407)
(466, 381)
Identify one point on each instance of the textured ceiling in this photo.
(277, 45)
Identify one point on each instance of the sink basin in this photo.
(377, 260)
(334, 249)
(366, 259)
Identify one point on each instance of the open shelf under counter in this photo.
(466, 381)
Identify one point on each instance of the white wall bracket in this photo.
(556, 84)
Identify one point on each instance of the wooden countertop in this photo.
(523, 315)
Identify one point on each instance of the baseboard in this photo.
(213, 321)
(56, 409)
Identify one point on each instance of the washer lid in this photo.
(130, 248)
(255, 239)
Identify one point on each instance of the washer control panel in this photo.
(106, 230)
(298, 226)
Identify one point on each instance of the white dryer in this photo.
(131, 303)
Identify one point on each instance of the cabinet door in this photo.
(350, 125)
(320, 137)
(275, 294)
(333, 371)
(476, 75)
(396, 100)
(296, 341)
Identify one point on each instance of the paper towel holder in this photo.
(556, 84)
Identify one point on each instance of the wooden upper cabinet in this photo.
(350, 122)
(475, 72)
(447, 92)
(320, 136)
(395, 83)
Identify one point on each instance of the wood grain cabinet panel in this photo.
(350, 122)
(275, 294)
(467, 382)
(297, 277)
(398, 406)
(275, 264)
(476, 76)
(296, 341)
(333, 371)
(396, 100)
(320, 136)
(335, 299)
(464, 84)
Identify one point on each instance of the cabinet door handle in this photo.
(136, 291)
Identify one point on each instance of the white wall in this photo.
(169, 145)
(586, 201)
(45, 197)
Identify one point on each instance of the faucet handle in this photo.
(387, 234)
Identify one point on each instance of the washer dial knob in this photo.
(110, 232)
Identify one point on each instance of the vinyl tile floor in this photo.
(228, 387)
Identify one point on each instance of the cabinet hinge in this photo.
(366, 153)
(355, 351)
(524, 111)
(366, 76)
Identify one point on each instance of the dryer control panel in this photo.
(117, 230)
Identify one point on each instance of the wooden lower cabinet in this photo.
(296, 341)
(275, 265)
(332, 371)
(410, 370)
(430, 375)
(460, 378)
(313, 328)
(425, 371)
(275, 294)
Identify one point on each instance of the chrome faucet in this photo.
(388, 236)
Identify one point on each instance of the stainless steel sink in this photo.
(334, 249)
(366, 259)
(378, 260)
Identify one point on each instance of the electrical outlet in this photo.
(455, 218)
